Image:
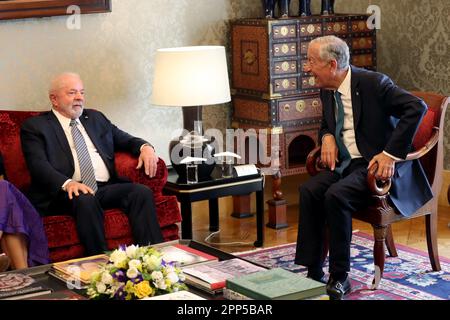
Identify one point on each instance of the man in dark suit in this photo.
(70, 155)
(366, 119)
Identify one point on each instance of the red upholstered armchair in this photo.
(61, 232)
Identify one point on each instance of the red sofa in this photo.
(61, 231)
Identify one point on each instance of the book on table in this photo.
(178, 295)
(70, 280)
(65, 294)
(229, 294)
(276, 284)
(15, 285)
(184, 255)
(79, 269)
(211, 276)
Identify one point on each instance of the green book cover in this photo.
(276, 284)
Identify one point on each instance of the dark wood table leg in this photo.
(259, 218)
(186, 223)
(213, 214)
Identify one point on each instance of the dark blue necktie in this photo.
(84, 160)
(344, 155)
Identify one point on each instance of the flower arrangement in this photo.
(135, 272)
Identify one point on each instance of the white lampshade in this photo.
(191, 76)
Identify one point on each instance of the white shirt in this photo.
(348, 130)
(100, 170)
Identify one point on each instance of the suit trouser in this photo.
(135, 200)
(329, 199)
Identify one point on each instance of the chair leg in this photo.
(390, 242)
(431, 230)
(379, 233)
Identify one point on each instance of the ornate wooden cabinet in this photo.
(271, 91)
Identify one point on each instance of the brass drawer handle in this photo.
(300, 105)
(286, 107)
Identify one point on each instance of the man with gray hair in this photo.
(69, 152)
(367, 119)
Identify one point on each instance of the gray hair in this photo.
(55, 83)
(332, 47)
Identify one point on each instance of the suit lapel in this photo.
(356, 98)
(95, 136)
(61, 136)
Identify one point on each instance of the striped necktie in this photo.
(344, 155)
(84, 160)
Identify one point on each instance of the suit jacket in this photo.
(49, 158)
(385, 117)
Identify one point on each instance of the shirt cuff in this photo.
(326, 134)
(391, 156)
(146, 144)
(65, 184)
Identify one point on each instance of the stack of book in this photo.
(211, 276)
(183, 255)
(15, 285)
(273, 284)
(77, 272)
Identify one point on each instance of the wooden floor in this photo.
(239, 234)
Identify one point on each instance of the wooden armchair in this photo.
(380, 213)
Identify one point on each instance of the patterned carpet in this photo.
(406, 277)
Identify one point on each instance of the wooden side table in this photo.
(211, 189)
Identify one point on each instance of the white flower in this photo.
(106, 278)
(131, 251)
(182, 277)
(161, 284)
(134, 263)
(172, 277)
(101, 287)
(153, 262)
(157, 275)
(132, 273)
(169, 269)
(118, 257)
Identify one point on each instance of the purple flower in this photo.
(120, 276)
(120, 294)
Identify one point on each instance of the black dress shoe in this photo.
(338, 289)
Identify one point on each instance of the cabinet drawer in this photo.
(363, 60)
(360, 26)
(362, 43)
(338, 27)
(310, 29)
(285, 49)
(297, 109)
(285, 67)
(284, 31)
(284, 84)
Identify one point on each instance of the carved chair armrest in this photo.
(313, 162)
(381, 188)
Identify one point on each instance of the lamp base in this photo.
(192, 145)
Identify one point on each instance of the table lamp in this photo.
(191, 77)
